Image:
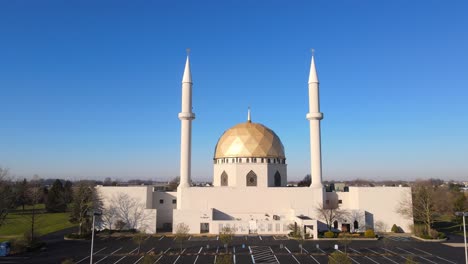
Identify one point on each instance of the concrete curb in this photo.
(429, 240)
(358, 239)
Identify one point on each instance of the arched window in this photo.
(335, 224)
(251, 179)
(224, 179)
(277, 179)
(356, 224)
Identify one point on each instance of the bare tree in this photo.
(181, 233)
(420, 205)
(331, 212)
(6, 194)
(138, 239)
(380, 227)
(85, 200)
(130, 210)
(35, 195)
(345, 240)
(108, 216)
(226, 235)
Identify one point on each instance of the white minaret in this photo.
(186, 117)
(314, 116)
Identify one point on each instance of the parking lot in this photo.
(244, 249)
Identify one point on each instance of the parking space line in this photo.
(434, 255)
(380, 255)
(167, 250)
(201, 248)
(161, 238)
(149, 251)
(93, 255)
(196, 259)
(417, 255)
(125, 255)
(183, 251)
(349, 257)
(176, 259)
(107, 256)
(322, 250)
(260, 237)
(314, 259)
(158, 258)
(138, 260)
(274, 255)
(147, 238)
(289, 251)
(364, 256)
(394, 253)
(234, 258)
(190, 237)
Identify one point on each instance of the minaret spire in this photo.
(248, 115)
(314, 116)
(313, 78)
(187, 73)
(186, 116)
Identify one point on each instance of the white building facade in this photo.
(249, 192)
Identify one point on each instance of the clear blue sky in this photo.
(91, 89)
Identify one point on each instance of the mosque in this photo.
(249, 192)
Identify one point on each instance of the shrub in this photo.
(329, 234)
(338, 257)
(119, 225)
(149, 259)
(369, 233)
(395, 228)
(78, 236)
(19, 245)
(433, 233)
(224, 259)
(418, 230)
(441, 235)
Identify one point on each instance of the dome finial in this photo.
(248, 115)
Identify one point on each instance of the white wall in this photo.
(237, 173)
(166, 208)
(109, 194)
(381, 202)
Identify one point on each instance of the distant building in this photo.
(250, 192)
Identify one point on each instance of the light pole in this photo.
(463, 214)
(95, 213)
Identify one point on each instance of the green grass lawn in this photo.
(17, 223)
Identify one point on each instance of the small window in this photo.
(174, 201)
(340, 201)
(224, 179)
(161, 201)
(251, 179)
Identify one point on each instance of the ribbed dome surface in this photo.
(249, 140)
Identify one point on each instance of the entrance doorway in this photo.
(204, 227)
(345, 228)
(252, 227)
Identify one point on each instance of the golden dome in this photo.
(249, 140)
